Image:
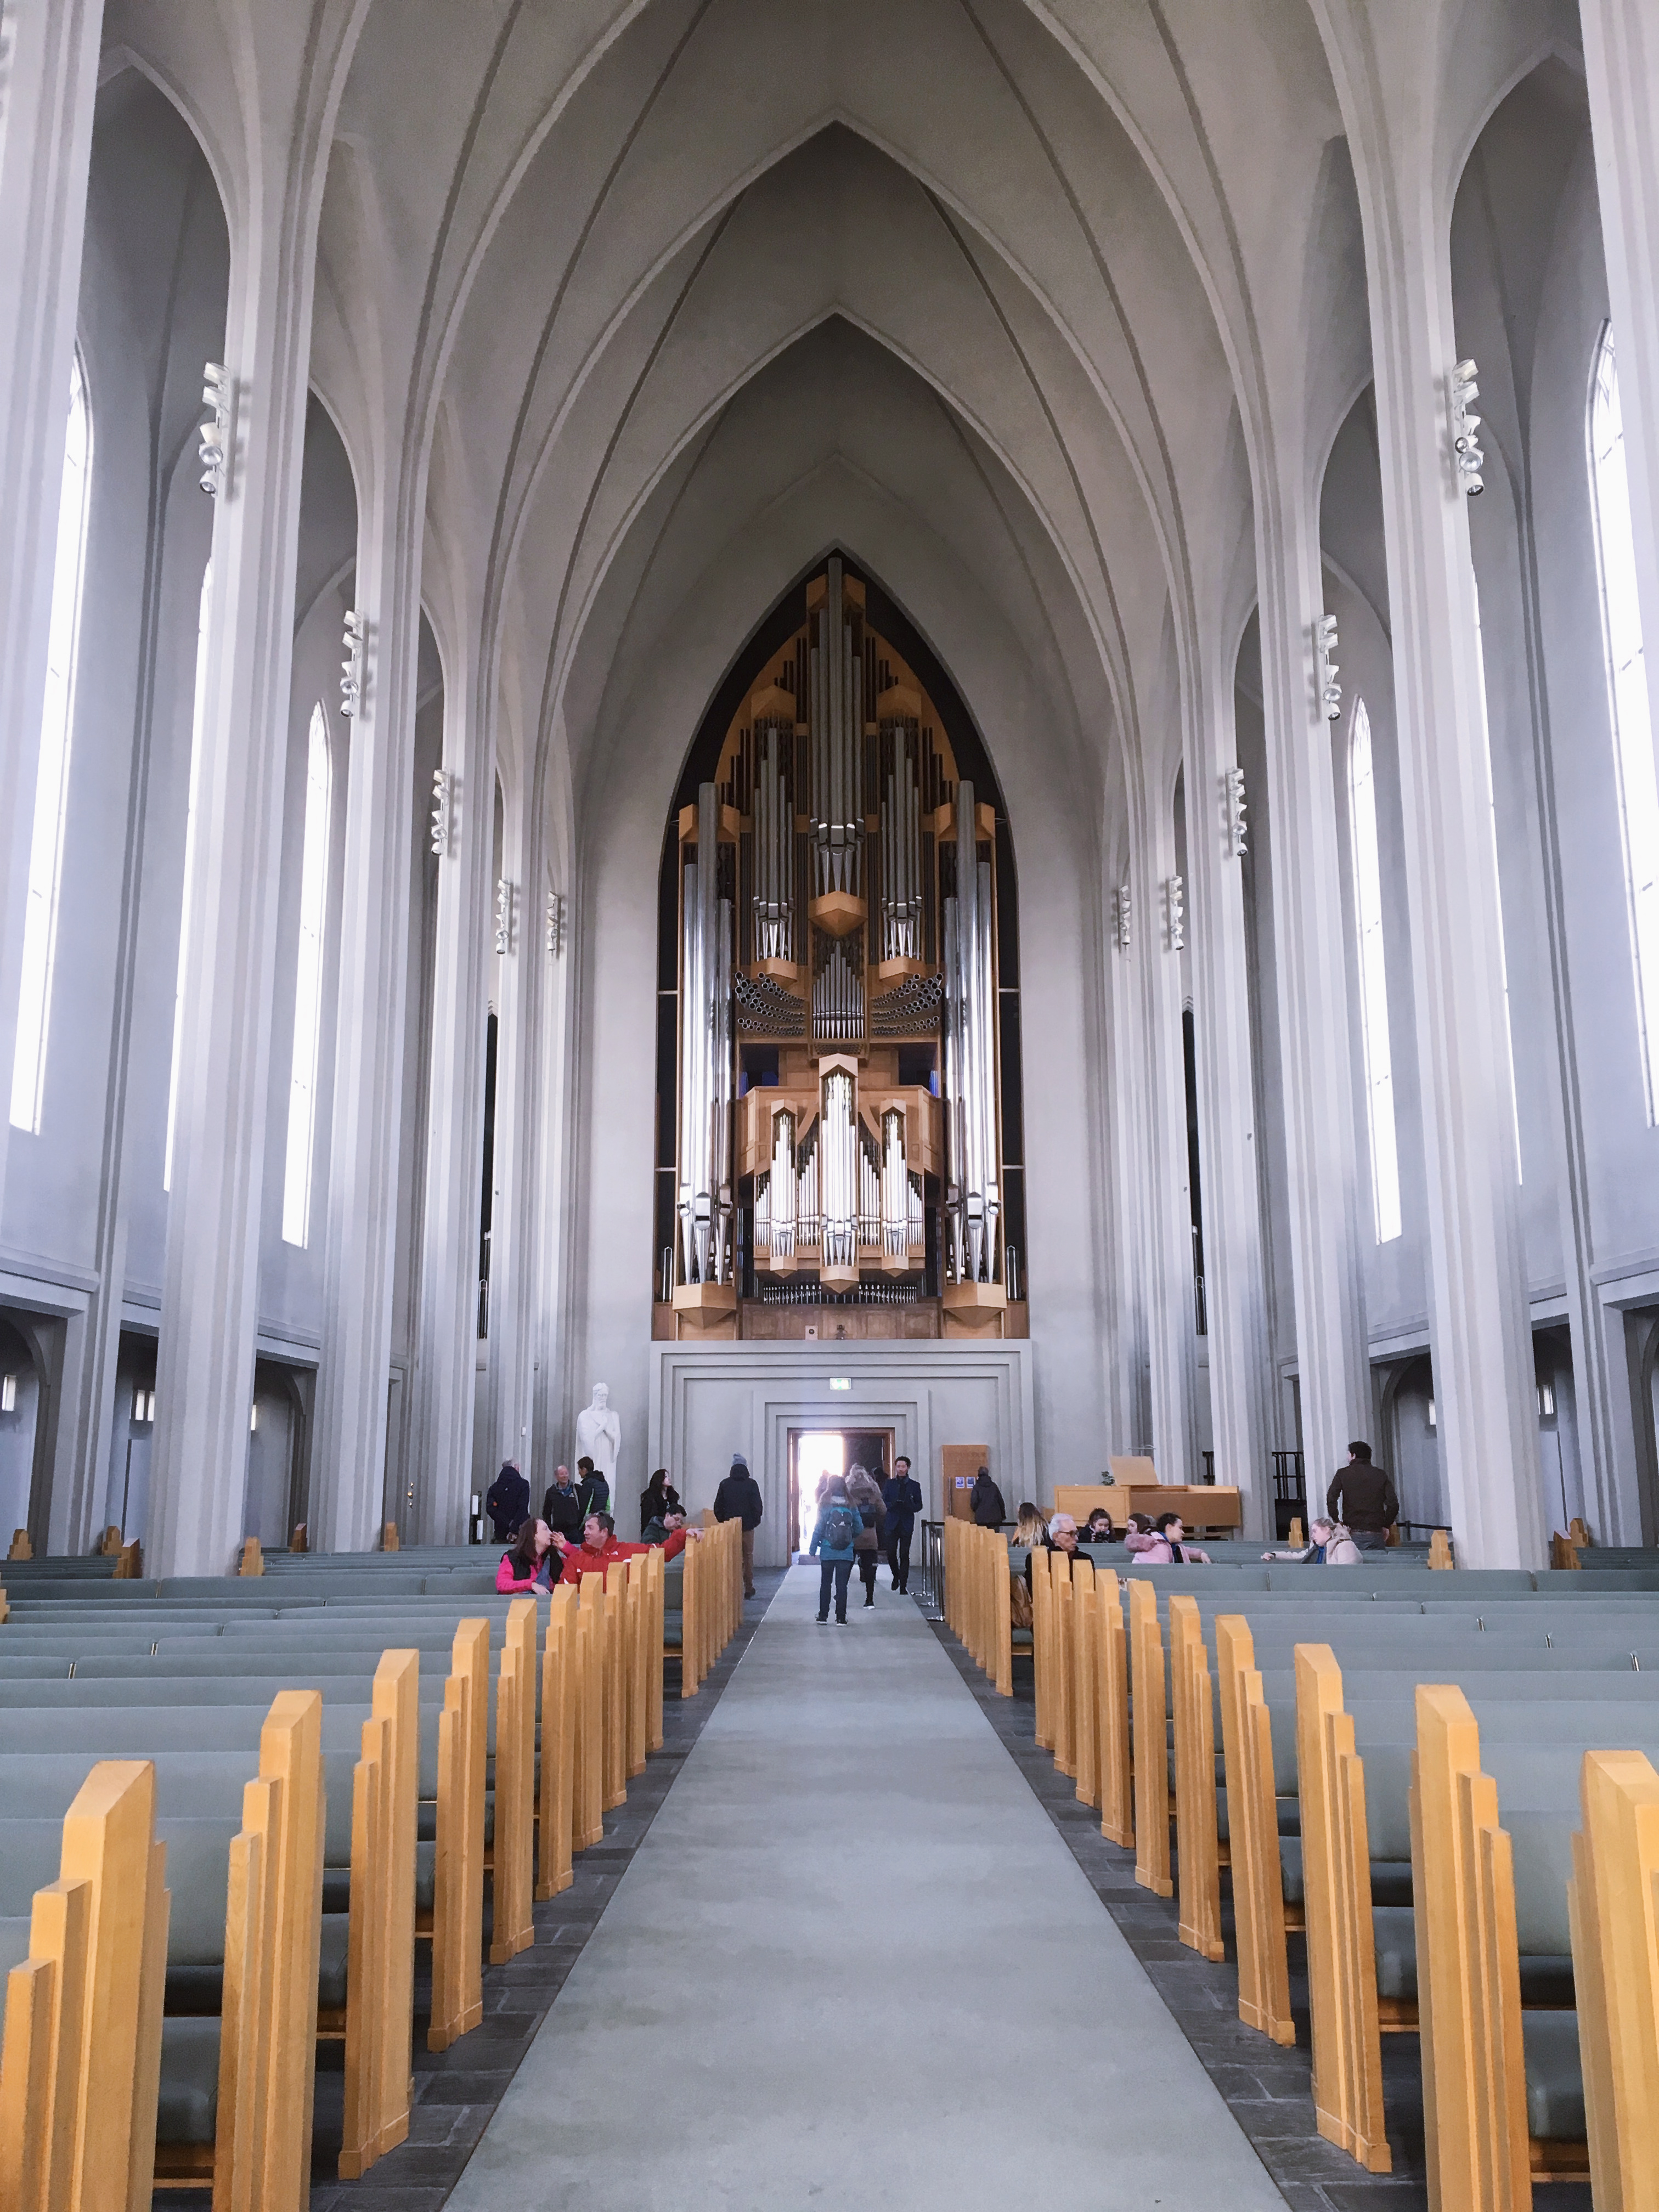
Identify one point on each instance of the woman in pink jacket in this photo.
(528, 1565)
(1161, 1543)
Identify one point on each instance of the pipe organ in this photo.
(838, 1077)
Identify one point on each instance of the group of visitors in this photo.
(575, 1532)
(858, 1520)
(542, 1555)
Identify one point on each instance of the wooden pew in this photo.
(1151, 1732)
(1259, 1909)
(512, 1874)
(458, 1901)
(1192, 1698)
(1616, 1955)
(589, 1820)
(1117, 1819)
(556, 1817)
(79, 2064)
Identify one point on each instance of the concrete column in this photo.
(1165, 1199)
(348, 1454)
(1480, 1332)
(446, 1359)
(1329, 1217)
(501, 1429)
(45, 151)
(1235, 1293)
(210, 1290)
(1621, 69)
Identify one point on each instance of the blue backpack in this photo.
(841, 1527)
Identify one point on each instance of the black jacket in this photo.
(1362, 1496)
(566, 1510)
(649, 1508)
(507, 1501)
(989, 1511)
(903, 1496)
(738, 1498)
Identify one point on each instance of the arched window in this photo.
(1627, 700)
(308, 988)
(1373, 978)
(29, 1067)
(201, 607)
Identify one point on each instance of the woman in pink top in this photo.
(527, 1566)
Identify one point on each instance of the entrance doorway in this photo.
(816, 1453)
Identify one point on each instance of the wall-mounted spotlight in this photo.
(218, 395)
(507, 902)
(355, 641)
(143, 1407)
(1175, 912)
(8, 1394)
(254, 1418)
(1122, 917)
(443, 812)
(1235, 828)
(555, 923)
(1466, 455)
(1324, 668)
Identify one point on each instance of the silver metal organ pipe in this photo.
(782, 1185)
(894, 1188)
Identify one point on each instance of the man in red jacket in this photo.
(599, 1549)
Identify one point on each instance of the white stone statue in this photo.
(599, 1437)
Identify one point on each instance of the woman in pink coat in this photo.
(528, 1565)
(1161, 1543)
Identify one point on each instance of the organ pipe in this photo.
(901, 857)
(837, 718)
(895, 1188)
(782, 1182)
(970, 1056)
(837, 1000)
(774, 851)
(705, 1175)
(838, 1174)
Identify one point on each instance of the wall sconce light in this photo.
(506, 913)
(1234, 826)
(1122, 916)
(218, 394)
(1324, 668)
(555, 923)
(443, 812)
(1546, 1401)
(1432, 1423)
(1175, 912)
(253, 1417)
(355, 641)
(143, 1406)
(1467, 455)
(8, 1394)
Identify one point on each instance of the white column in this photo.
(210, 1293)
(446, 1356)
(45, 151)
(1480, 1329)
(1235, 1295)
(1311, 963)
(1621, 69)
(1166, 1221)
(348, 1456)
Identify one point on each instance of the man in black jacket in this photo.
(989, 1511)
(1362, 1495)
(508, 1500)
(567, 1506)
(903, 1501)
(738, 1498)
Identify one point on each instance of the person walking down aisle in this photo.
(902, 1498)
(862, 1493)
(839, 1527)
(989, 1511)
(1362, 1495)
(507, 1501)
(738, 1498)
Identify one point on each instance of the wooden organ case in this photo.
(838, 1159)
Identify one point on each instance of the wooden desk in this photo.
(1200, 1505)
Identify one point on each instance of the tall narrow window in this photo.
(308, 989)
(1627, 700)
(1373, 979)
(29, 1067)
(1498, 880)
(203, 605)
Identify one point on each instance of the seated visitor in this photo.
(659, 1498)
(1060, 1535)
(533, 1562)
(661, 1526)
(1029, 1526)
(1164, 1543)
(506, 1501)
(1361, 1494)
(1331, 1547)
(1099, 1528)
(599, 1549)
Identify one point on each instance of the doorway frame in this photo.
(792, 1449)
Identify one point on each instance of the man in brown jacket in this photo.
(1361, 1494)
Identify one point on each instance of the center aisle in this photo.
(854, 1965)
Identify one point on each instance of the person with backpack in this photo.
(839, 1528)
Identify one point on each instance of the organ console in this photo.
(838, 1086)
